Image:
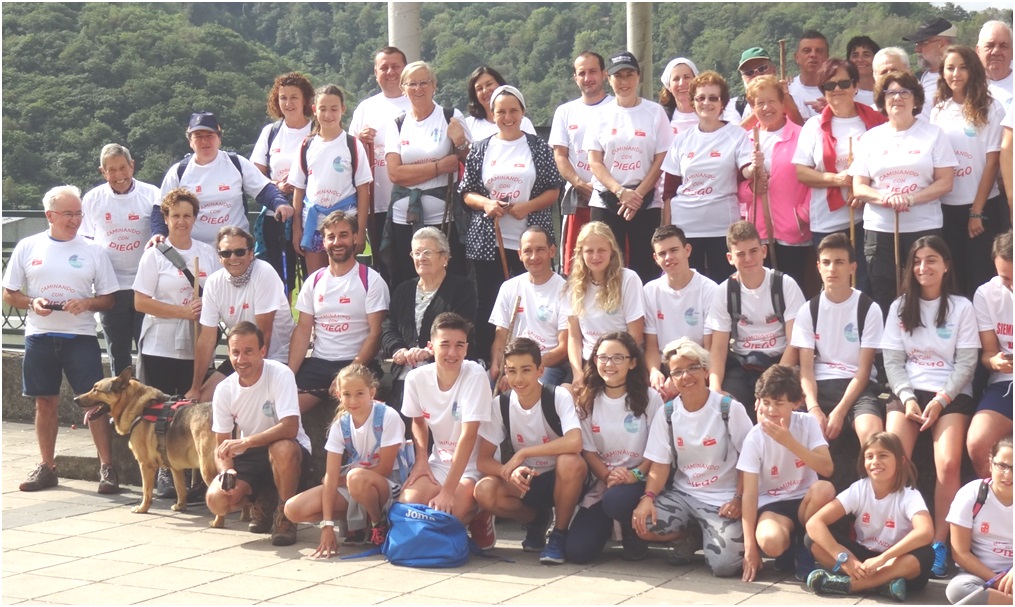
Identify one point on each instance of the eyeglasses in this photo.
(828, 87)
(709, 98)
(617, 359)
(761, 69)
(226, 254)
(418, 85)
(677, 373)
(1001, 467)
(900, 93)
(69, 214)
(425, 254)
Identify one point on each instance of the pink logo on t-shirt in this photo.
(985, 528)
(572, 127)
(519, 439)
(320, 299)
(690, 154)
(709, 442)
(109, 217)
(659, 315)
(197, 190)
(344, 300)
(866, 518)
(775, 470)
(890, 524)
(680, 442)
(799, 463)
(36, 262)
(595, 428)
(613, 131)
(133, 216)
(715, 154)
(638, 133)
(223, 188)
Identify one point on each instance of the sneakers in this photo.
(108, 481)
(940, 567)
(535, 532)
(805, 563)
(482, 530)
(895, 589)
(260, 512)
(164, 488)
(823, 582)
(43, 477)
(680, 552)
(378, 533)
(553, 554)
(634, 548)
(357, 537)
(284, 532)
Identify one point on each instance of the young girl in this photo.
(361, 490)
(930, 345)
(604, 296)
(981, 532)
(616, 407)
(322, 175)
(892, 528)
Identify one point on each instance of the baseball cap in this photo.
(203, 121)
(932, 29)
(622, 61)
(752, 53)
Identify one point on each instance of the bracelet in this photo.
(813, 408)
(649, 494)
(31, 303)
(620, 191)
(974, 215)
(637, 474)
(738, 496)
(326, 524)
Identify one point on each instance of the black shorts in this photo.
(788, 508)
(540, 493)
(923, 554)
(830, 392)
(254, 468)
(318, 373)
(962, 405)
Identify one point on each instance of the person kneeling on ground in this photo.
(546, 470)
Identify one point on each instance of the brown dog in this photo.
(190, 443)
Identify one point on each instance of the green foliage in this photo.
(77, 76)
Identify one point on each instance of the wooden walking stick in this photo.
(898, 274)
(510, 332)
(371, 221)
(500, 248)
(766, 210)
(782, 59)
(754, 184)
(197, 295)
(852, 212)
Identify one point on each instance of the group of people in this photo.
(688, 405)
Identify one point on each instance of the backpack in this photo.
(981, 497)
(405, 458)
(547, 402)
(449, 113)
(182, 166)
(862, 307)
(272, 134)
(419, 536)
(734, 302)
(724, 409)
(364, 276)
(349, 141)
(741, 105)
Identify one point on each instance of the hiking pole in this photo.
(983, 587)
(782, 60)
(766, 209)
(510, 332)
(898, 274)
(371, 220)
(500, 248)
(754, 183)
(852, 212)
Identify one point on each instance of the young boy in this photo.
(837, 356)
(450, 398)
(677, 302)
(753, 309)
(781, 460)
(546, 470)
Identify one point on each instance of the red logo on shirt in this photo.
(595, 428)
(197, 190)
(133, 216)
(572, 127)
(521, 309)
(276, 151)
(890, 524)
(985, 528)
(799, 463)
(638, 133)
(519, 439)
(493, 162)
(709, 442)
(775, 471)
(109, 217)
(866, 518)
(714, 154)
(36, 262)
(223, 188)
(546, 439)
(680, 442)
(659, 315)
(817, 336)
(232, 309)
(246, 306)
(519, 165)
(320, 299)
(344, 300)
(690, 154)
(426, 415)
(613, 131)
(914, 151)
(404, 142)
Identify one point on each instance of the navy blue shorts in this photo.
(788, 508)
(540, 493)
(997, 397)
(48, 358)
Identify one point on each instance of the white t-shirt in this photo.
(481, 128)
(257, 408)
(706, 452)
(285, 147)
(509, 174)
(971, 146)
(363, 440)
(759, 328)
(263, 293)
(865, 97)
(423, 142)
(596, 322)
(468, 400)
(159, 279)
(59, 271)
(629, 138)
(838, 353)
(619, 437)
(379, 113)
(781, 476)
(732, 116)
(930, 350)
(902, 162)
(1001, 90)
(707, 163)
(542, 314)
(990, 531)
(992, 305)
(219, 188)
(120, 222)
(810, 153)
(570, 121)
(928, 80)
(881, 523)
(529, 427)
(802, 94)
(671, 314)
(340, 307)
(330, 179)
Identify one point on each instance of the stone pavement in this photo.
(69, 545)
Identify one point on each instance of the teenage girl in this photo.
(892, 528)
(323, 178)
(361, 491)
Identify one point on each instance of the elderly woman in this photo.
(423, 153)
(290, 105)
(860, 51)
(900, 169)
(823, 155)
(164, 292)
(788, 200)
(417, 301)
(626, 151)
(510, 182)
(220, 180)
(706, 486)
(702, 169)
(483, 81)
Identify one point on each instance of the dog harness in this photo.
(161, 414)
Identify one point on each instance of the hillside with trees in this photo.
(77, 76)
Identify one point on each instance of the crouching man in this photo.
(263, 464)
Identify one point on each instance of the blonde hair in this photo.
(353, 371)
(609, 297)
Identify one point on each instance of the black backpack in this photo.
(353, 154)
(734, 302)
(862, 308)
(547, 402)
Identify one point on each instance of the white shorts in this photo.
(440, 472)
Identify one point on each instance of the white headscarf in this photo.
(665, 77)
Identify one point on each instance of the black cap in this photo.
(932, 29)
(203, 121)
(622, 61)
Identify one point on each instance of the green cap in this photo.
(752, 53)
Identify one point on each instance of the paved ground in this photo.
(69, 545)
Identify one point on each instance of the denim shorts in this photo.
(48, 358)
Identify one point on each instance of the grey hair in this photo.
(892, 51)
(403, 80)
(988, 26)
(686, 348)
(432, 233)
(60, 190)
(112, 150)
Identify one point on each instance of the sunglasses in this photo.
(709, 98)
(761, 69)
(828, 87)
(226, 254)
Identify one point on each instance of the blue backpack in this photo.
(420, 536)
(406, 454)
